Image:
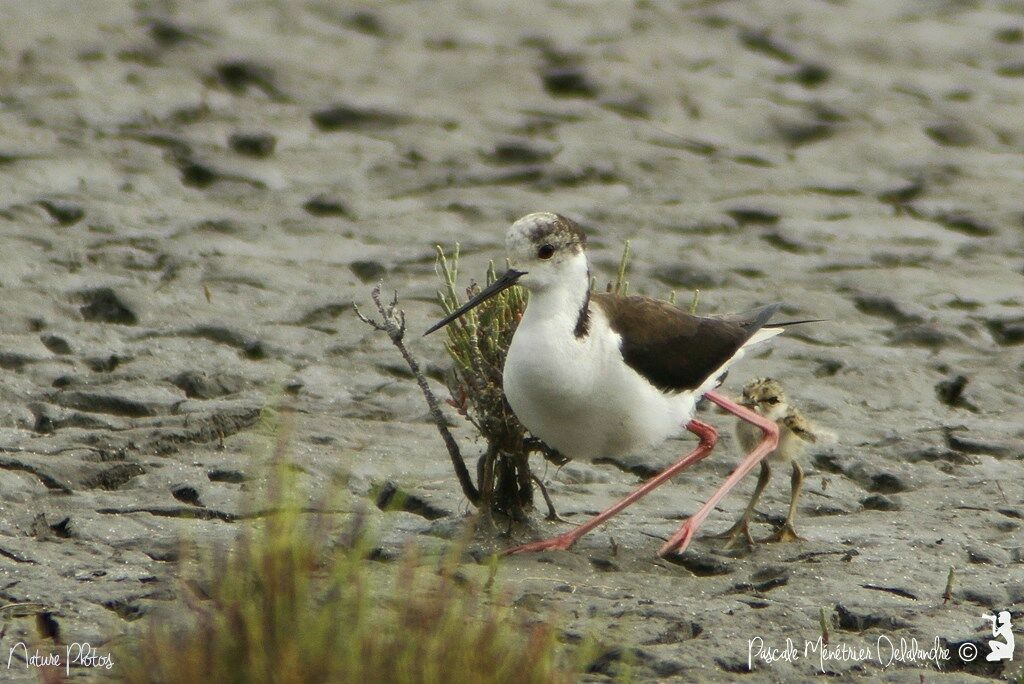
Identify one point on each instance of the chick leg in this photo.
(741, 528)
(787, 532)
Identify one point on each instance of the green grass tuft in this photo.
(289, 604)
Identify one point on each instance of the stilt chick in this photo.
(765, 396)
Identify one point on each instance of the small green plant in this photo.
(290, 603)
(478, 343)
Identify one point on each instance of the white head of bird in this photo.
(547, 254)
(550, 251)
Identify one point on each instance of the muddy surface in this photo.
(195, 194)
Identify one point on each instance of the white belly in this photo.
(579, 396)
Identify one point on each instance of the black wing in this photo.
(672, 349)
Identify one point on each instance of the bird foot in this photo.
(560, 543)
(784, 533)
(678, 542)
(739, 532)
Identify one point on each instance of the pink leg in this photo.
(708, 436)
(682, 538)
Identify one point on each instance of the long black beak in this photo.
(507, 280)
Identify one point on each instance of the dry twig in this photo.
(393, 323)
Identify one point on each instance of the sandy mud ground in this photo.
(195, 194)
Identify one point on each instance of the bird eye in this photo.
(771, 400)
(546, 252)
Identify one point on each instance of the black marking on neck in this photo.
(583, 320)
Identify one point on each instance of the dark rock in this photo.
(628, 465)
(950, 133)
(196, 174)
(933, 454)
(782, 242)
(828, 462)
(96, 402)
(365, 22)
(389, 497)
(885, 307)
(1009, 34)
(232, 476)
(186, 494)
(896, 591)
(324, 313)
(368, 271)
(610, 662)
(752, 160)
(104, 306)
(1007, 331)
(984, 596)
(168, 34)
(15, 361)
(252, 348)
(604, 565)
(113, 477)
(521, 151)
(62, 528)
(851, 621)
(950, 391)
(902, 193)
(47, 626)
(687, 276)
(989, 555)
(701, 564)
(878, 502)
(64, 212)
(809, 75)
(978, 445)
(125, 609)
(965, 223)
(761, 40)
(43, 424)
(567, 81)
(632, 107)
(325, 205)
(920, 335)
(55, 343)
(238, 75)
(257, 145)
(733, 664)
(397, 369)
(769, 572)
(201, 385)
(821, 510)
(886, 483)
(342, 117)
(796, 132)
(764, 580)
(827, 367)
(755, 215)
(1011, 69)
(220, 226)
(103, 364)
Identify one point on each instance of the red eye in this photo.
(546, 252)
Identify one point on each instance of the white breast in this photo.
(578, 395)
